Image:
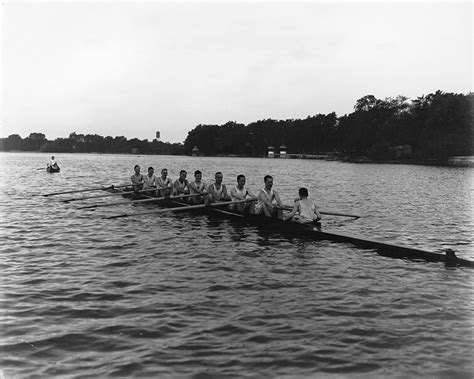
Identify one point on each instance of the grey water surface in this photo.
(188, 295)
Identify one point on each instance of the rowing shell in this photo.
(316, 232)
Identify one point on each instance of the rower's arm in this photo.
(278, 200)
(264, 200)
(204, 190)
(176, 188)
(318, 215)
(251, 195)
(234, 195)
(211, 191)
(293, 211)
(224, 193)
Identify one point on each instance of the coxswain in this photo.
(181, 185)
(137, 179)
(240, 192)
(164, 184)
(197, 187)
(304, 210)
(269, 203)
(218, 190)
(149, 181)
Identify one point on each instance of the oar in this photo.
(41, 168)
(189, 207)
(289, 208)
(108, 194)
(98, 196)
(149, 199)
(86, 190)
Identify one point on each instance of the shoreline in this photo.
(455, 161)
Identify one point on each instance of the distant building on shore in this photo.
(195, 151)
(271, 152)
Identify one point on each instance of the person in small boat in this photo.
(240, 192)
(304, 210)
(137, 179)
(181, 185)
(198, 187)
(164, 184)
(52, 163)
(149, 181)
(218, 190)
(269, 203)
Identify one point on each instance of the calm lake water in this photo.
(186, 295)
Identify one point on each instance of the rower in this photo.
(181, 185)
(164, 184)
(304, 210)
(197, 187)
(218, 190)
(240, 192)
(137, 179)
(269, 202)
(52, 163)
(149, 180)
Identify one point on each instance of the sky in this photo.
(133, 68)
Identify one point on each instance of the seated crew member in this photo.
(217, 190)
(181, 185)
(149, 181)
(52, 163)
(197, 187)
(137, 179)
(240, 192)
(164, 184)
(269, 203)
(304, 211)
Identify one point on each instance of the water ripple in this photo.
(186, 295)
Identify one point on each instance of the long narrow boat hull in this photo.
(316, 232)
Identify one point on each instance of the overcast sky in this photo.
(133, 68)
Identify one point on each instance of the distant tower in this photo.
(271, 151)
(282, 151)
(157, 135)
(195, 151)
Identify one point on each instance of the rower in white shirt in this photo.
(149, 180)
(240, 192)
(197, 187)
(218, 190)
(164, 184)
(269, 202)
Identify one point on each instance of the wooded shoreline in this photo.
(431, 129)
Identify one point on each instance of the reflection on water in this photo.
(187, 294)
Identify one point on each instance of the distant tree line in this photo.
(431, 128)
(89, 143)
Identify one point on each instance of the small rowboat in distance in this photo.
(316, 232)
(52, 169)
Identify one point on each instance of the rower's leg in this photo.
(266, 211)
(251, 208)
(279, 213)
